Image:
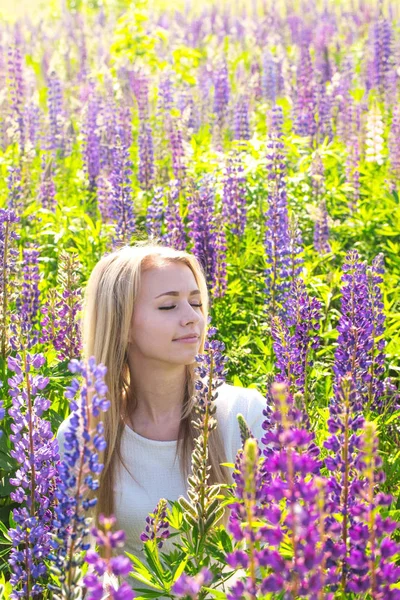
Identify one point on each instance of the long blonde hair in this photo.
(108, 308)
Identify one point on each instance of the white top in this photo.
(157, 474)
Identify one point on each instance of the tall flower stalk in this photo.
(78, 472)
(202, 510)
(36, 478)
(8, 257)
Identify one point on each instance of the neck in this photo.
(159, 392)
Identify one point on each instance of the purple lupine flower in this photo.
(175, 235)
(104, 194)
(356, 326)
(241, 119)
(78, 471)
(221, 92)
(36, 478)
(234, 208)
(380, 38)
(321, 230)
(269, 77)
(269, 491)
(296, 336)
(91, 139)
(324, 110)
(177, 149)
(305, 95)
(14, 185)
(371, 568)
(146, 156)
(255, 83)
(203, 228)
(140, 86)
(375, 385)
(8, 258)
(56, 117)
(350, 492)
(295, 252)
(394, 149)
(60, 325)
(277, 219)
(157, 528)
(17, 94)
(105, 571)
(47, 189)
(28, 302)
(121, 202)
(191, 586)
(33, 117)
(155, 213)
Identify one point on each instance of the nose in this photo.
(190, 315)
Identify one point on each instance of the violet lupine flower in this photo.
(56, 119)
(178, 152)
(302, 324)
(347, 428)
(91, 139)
(269, 491)
(221, 92)
(175, 235)
(370, 559)
(295, 252)
(394, 149)
(17, 93)
(317, 173)
(241, 119)
(121, 205)
(104, 193)
(14, 185)
(78, 470)
(106, 571)
(157, 528)
(203, 229)
(269, 77)
(33, 117)
(146, 156)
(375, 385)
(321, 230)
(356, 326)
(324, 111)
(305, 95)
(35, 480)
(380, 38)
(140, 86)
(8, 258)
(60, 325)
(155, 213)
(234, 209)
(191, 586)
(28, 303)
(47, 189)
(277, 219)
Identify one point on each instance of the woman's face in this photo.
(167, 308)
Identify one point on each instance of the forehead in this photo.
(166, 277)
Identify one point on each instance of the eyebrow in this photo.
(192, 293)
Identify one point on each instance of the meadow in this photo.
(264, 138)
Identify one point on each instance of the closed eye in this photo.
(170, 307)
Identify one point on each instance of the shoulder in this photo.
(231, 401)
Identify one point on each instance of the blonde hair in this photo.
(108, 307)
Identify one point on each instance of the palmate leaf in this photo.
(143, 574)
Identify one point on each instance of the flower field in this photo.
(264, 138)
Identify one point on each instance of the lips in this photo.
(189, 336)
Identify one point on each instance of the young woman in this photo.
(145, 316)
